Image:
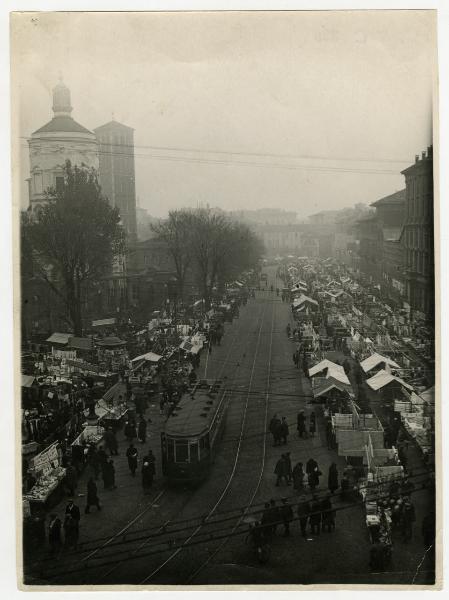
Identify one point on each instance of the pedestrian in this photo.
(284, 431)
(315, 515)
(327, 514)
(147, 475)
(301, 423)
(303, 514)
(111, 442)
(281, 471)
(54, 534)
(332, 478)
(275, 426)
(71, 478)
(71, 524)
(92, 496)
(286, 513)
(312, 424)
(288, 330)
(131, 455)
(142, 431)
(73, 510)
(298, 476)
(407, 519)
(130, 431)
(288, 463)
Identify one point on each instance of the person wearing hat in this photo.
(92, 496)
(131, 455)
(286, 512)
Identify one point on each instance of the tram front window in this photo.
(182, 452)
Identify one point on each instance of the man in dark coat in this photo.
(73, 510)
(130, 431)
(301, 426)
(286, 513)
(142, 430)
(303, 514)
(284, 431)
(281, 471)
(275, 425)
(147, 474)
(131, 455)
(92, 496)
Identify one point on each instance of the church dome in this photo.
(62, 122)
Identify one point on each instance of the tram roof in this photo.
(193, 414)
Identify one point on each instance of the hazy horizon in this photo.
(304, 111)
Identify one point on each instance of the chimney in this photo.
(423, 155)
(416, 158)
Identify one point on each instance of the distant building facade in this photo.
(117, 171)
(417, 235)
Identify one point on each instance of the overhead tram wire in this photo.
(239, 163)
(208, 537)
(241, 153)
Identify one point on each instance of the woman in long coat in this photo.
(298, 477)
(332, 478)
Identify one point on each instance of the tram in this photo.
(192, 432)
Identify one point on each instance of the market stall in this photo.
(46, 469)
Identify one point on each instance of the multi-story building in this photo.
(117, 171)
(390, 216)
(59, 140)
(417, 234)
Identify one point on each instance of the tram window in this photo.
(193, 450)
(182, 452)
(171, 450)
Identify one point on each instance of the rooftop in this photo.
(64, 124)
(396, 198)
(195, 412)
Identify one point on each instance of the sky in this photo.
(305, 111)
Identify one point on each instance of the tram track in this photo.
(106, 548)
(250, 414)
(175, 512)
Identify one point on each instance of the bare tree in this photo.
(176, 232)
